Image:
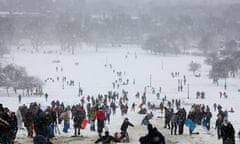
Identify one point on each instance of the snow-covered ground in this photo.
(144, 68)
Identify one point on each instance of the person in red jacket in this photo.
(100, 116)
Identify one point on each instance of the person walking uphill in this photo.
(100, 116)
(124, 127)
(227, 132)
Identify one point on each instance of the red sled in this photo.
(84, 124)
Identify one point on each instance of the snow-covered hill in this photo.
(88, 69)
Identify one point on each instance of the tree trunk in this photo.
(7, 91)
(225, 84)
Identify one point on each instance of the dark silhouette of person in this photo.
(106, 139)
(153, 136)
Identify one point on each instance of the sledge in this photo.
(84, 123)
(189, 123)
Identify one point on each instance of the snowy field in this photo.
(146, 69)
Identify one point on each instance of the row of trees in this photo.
(16, 77)
(224, 63)
(158, 28)
(207, 30)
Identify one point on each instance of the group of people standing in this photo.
(8, 126)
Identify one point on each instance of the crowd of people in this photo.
(41, 121)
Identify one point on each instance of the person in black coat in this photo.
(41, 124)
(227, 132)
(4, 125)
(153, 136)
(12, 131)
(124, 128)
(78, 119)
(28, 122)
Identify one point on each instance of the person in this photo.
(153, 136)
(239, 134)
(91, 116)
(108, 114)
(174, 122)
(46, 96)
(100, 116)
(189, 120)
(41, 123)
(167, 117)
(181, 119)
(28, 122)
(65, 116)
(13, 128)
(119, 138)
(227, 132)
(19, 98)
(147, 118)
(19, 118)
(208, 118)
(124, 128)
(78, 119)
(4, 125)
(106, 139)
(218, 125)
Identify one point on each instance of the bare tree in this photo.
(193, 66)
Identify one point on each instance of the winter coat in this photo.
(100, 115)
(4, 124)
(79, 117)
(65, 116)
(91, 115)
(12, 128)
(153, 137)
(208, 115)
(228, 133)
(125, 125)
(28, 120)
(174, 119)
(41, 123)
